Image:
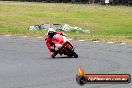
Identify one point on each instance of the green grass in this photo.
(107, 23)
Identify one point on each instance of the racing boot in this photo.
(53, 54)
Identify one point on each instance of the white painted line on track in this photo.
(70, 39)
(110, 42)
(39, 37)
(7, 35)
(24, 36)
(123, 43)
(81, 40)
(95, 41)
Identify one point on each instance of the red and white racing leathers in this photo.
(49, 43)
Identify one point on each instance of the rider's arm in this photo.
(61, 33)
(49, 43)
(50, 47)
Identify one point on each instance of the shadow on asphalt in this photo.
(63, 57)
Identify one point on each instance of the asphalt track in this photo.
(25, 63)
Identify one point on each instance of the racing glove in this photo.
(63, 34)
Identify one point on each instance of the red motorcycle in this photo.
(63, 46)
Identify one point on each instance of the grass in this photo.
(106, 23)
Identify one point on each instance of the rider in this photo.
(49, 41)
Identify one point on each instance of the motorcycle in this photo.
(63, 46)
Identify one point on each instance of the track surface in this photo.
(25, 63)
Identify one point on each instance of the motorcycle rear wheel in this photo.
(71, 52)
(75, 55)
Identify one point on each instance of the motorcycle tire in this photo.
(72, 53)
(75, 55)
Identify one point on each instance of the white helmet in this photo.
(51, 29)
(51, 32)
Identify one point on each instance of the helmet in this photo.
(51, 32)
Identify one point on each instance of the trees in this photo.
(114, 2)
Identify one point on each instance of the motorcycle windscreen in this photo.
(58, 39)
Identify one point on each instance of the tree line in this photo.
(79, 1)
